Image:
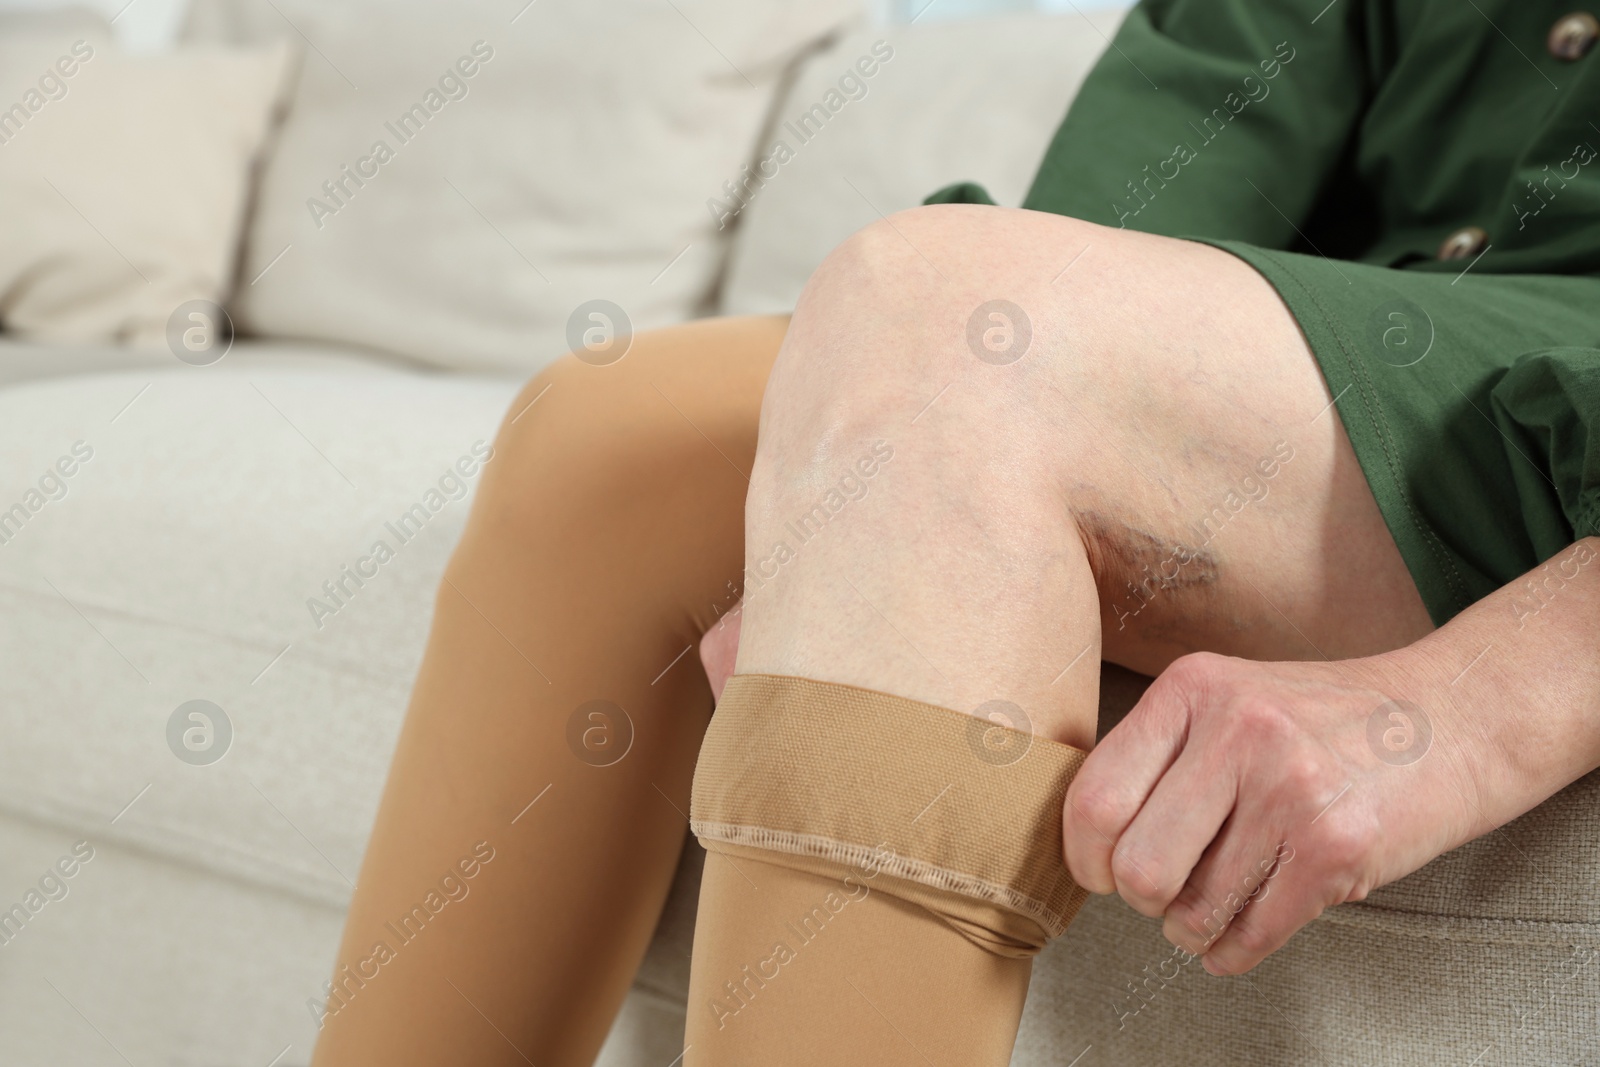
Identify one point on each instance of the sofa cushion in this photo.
(123, 181)
(204, 510)
(455, 180)
(957, 101)
(172, 964)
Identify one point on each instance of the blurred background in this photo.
(270, 273)
(156, 24)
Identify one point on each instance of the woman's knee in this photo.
(633, 470)
(563, 443)
(936, 327)
(917, 297)
(1019, 310)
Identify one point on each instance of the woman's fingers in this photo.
(1237, 873)
(1120, 775)
(1156, 855)
(719, 649)
(1266, 922)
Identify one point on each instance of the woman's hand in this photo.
(1240, 799)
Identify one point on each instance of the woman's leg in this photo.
(1136, 458)
(554, 725)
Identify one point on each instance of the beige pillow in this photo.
(974, 100)
(123, 181)
(534, 156)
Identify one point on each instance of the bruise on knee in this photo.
(1135, 566)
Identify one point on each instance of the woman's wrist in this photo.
(1509, 690)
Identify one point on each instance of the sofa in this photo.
(203, 748)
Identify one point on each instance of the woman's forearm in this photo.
(1512, 685)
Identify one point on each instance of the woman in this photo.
(1277, 387)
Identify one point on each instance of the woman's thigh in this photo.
(1032, 369)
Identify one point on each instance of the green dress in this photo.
(1420, 181)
